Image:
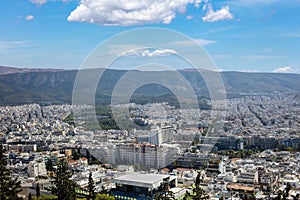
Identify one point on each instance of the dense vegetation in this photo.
(245, 153)
(106, 121)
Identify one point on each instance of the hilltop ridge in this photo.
(22, 85)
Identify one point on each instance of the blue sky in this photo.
(239, 35)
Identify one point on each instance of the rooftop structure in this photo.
(140, 186)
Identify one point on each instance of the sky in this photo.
(238, 35)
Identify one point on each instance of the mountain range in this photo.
(53, 86)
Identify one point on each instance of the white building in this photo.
(150, 155)
(22, 147)
(165, 134)
(161, 135)
(36, 168)
(144, 186)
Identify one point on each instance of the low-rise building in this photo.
(140, 186)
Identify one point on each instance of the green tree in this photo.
(91, 187)
(62, 185)
(43, 197)
(287, 190)
(49, 165)
(30, 196)
(38, 190)
(9, 187)
(197, 192)
(163, 192)
(280, 194)
(104, 190)
(296, 197)
(76, 154)
(104, 197)
(88, 156)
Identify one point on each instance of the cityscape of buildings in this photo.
(150, 100)
(255, 155)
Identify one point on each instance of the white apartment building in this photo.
(36, 168)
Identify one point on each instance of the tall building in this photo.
(161, 135)
(165, 134)
(150, 156)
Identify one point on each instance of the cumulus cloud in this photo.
(218, 15)
(285, 69)
(149, 53)
(29, 17)
(129, 12)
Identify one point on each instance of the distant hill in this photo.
(13, 70)
(19, 86)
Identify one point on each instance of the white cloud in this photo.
(129, 12)
(4, 45)
(192, 42)
(149, 53)
(42, 2)
(248, 70)
(29, 17)
(189, 17)
(39, 2)
(286, 69)
(204, 42)
(219, 15)
(267, 50)
(216, 30)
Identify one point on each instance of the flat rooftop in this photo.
(141, 180)
(240, 187)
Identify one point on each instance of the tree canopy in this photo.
(163, 192)
(9, 186)
(197, 192)
(62, 185)
(91, 187)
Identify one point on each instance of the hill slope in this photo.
(13, 70)
(56, 86)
